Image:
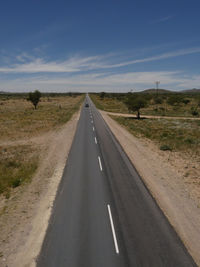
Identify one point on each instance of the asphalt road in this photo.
(103, 215)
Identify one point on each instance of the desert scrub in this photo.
(18, 119)
(17, 166)
(165, 148)
(109, 104)
(184, 105)
(176, 135)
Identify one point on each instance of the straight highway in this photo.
(103, 215)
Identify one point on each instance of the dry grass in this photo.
(164, 109)
(19, 121)
(109, 104)
(112, 104)
(17, 165)
(175, 135)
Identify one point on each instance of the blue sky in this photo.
(99, 45)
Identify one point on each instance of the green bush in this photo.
(16, 182)
(165, 148)
(158, 100)
(195, 113)
(190, 141)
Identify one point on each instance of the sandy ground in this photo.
(163, 173)
(150, 117)
(26, 214)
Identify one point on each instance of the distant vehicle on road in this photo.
(86, 105)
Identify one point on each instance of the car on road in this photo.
(86, 105)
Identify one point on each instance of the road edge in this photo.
(190, 243)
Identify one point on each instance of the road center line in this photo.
(113, 230)
(93, 129)
(95, 140)
(91, 121)
(100, 163)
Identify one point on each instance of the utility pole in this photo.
(157, 84)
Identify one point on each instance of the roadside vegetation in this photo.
(157, 104)
(17, 165)
(174, 135)
(19, 119)
(20, 122)
(177, 135)
(110, 102)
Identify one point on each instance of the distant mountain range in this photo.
(194, 90)
(164, 91)
(155, 91)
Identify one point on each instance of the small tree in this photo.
(34, 97)
(102, 95)
(185, 101)
(135, 103)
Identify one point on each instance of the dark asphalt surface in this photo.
(80, 232)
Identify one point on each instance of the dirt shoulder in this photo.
(162, 172)
(24, 217)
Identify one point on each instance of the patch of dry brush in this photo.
(20, 123)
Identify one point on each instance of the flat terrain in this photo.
(96, 179)
(156, 105)
(20, 124)
(99, 178)
(175, 135)
(18, 118)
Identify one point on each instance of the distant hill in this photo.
(156, 91)
(164, 91)
(193, 91)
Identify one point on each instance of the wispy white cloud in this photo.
(23, 57)
(104, 81)
(29, 64)
(114, 80)
(38, 65)
(181, 52)
(163, 19)
(92, 73)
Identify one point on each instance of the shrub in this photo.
(190, 141)
(34, 98)
(158, 100)
(102, 95)
(165, 148)
(16, 182)
(185, 101)
(194, 111)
